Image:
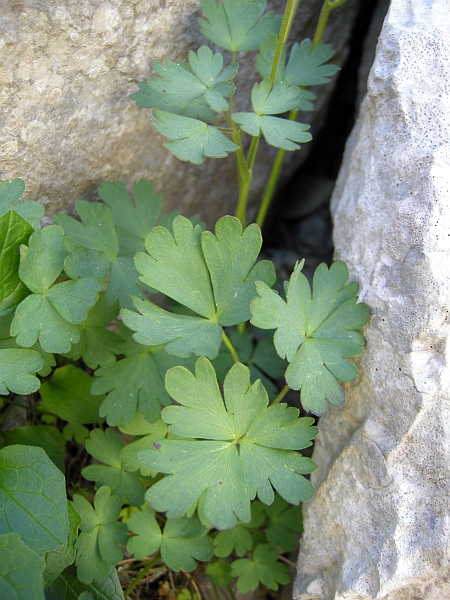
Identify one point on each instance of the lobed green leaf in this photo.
(10, 194)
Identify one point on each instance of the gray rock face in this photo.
(379, 524)
(66, 122)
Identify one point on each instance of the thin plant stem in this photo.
(281, 395)
(230, 591)
(230, 346)
(327, 7)
(289, 14)
(215, 590)
(148, 567)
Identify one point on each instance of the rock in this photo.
(378, 526)
(67, 124)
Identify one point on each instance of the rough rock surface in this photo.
(66, 123)
(379, 524)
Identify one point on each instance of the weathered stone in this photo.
(67, 124)
(378, 526)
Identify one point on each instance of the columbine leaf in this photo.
(20, 570)
(17, 371)
(51, 312)
(220, 572)
(211, 275)
(207, 464)
(283, 520)
(94, 252)
(68, 587)
(33, 498)
(57, 560)
(10, 194)
(132, 220)
(106, 447)
(67, 394)
(323, 336)
(97, 345)
(14, 231)
(191, 139)
(237, 539)
(182, 541)
(273, 100)
(179, 85)
(236, 25)
(264, 567)
(128, 454)
(133, 383)
(97, 544)
(306, 64)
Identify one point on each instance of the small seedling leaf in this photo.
(10, 194)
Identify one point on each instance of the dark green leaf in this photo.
(67, 394)
(37, 436)
(262, 568)
(237, 539)
(220, 572)
(57, 560)
(33, 497)
(284, 519)
(68, 587)
(14, 231)
(236, 25)
(17, 369)
(324, 335)
(207, 462)
(20, 570)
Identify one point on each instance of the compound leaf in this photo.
(132, 219)
(67, 394)
(14, 231)
(284, 519)
(68, 587)
(212, 275)
(106, 447)
(10, 194)
(182, 540)
(20, 570)
(236, 25)
(17, 371)
(306, 64)
(237, 539)
(208, 465)
(323, 336)
(263, 567)
(192, 140)
(97, 545)
(33, 498)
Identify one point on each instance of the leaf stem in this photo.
(327, 7)
(230, 346)
(148, 567)
(230, 591)
(289, 14)
(281, 395)
(215, 590)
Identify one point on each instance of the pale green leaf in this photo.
(306, 64)
(20, 570)
(33, 498)
(10, 194)
(324, 334)
(232, 451)
(236, 25)
(281, 133)
(268, 99)
(17, 371)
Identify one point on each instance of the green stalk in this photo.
(230, 346)
(289, 14)
(327, 7)
(281, 395)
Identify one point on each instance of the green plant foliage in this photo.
(324, 335)
(128, 454)
(192, 140)
(33, 497)
(58, 560)
(106, 447)
(179, 85)
(10, 194)
(236, 540)
(41, 436)
(283, 520)
(17, 371)
(181, 541)
(133, 383)
(67, 394)
(236, 25)
(211, 467)
(97, 545)
(219, 571)
(270, 100)
(20, 570)
(263, 567)
(53, 310)
(97, 346)
(14, 231)
(68, 587)
(132, 220)
(195, 269)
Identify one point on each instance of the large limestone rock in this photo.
(379, 525)
(66, 123)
